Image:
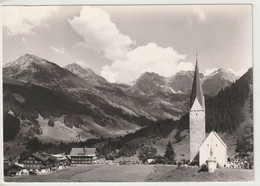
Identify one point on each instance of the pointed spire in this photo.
(196, 91)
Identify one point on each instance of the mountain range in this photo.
(51, 101)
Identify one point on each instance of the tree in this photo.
(11, 126)
(146, 153)
(245, 142)
(170, 154)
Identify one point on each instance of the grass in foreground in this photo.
(138, 173)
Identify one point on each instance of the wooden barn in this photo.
(81, 156)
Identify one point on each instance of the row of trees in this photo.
(149, 152)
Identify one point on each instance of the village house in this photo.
(13, 169)
(81, 156)
(40, 163)
(63, 160)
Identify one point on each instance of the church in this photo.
(203, 148)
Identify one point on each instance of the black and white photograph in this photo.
(127, 93)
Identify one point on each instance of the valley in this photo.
(74, 105)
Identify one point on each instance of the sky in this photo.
(122, 42)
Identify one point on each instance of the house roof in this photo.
(217, 136)
(83, 152)
(41, 156)
(61, 155)
(6, 167)
(196, 91)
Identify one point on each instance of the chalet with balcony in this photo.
(39, 162)
(82, 156)
(12, 169)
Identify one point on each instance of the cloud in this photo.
(148, 58)
(58, 50)
(22, 20)
(100, 34)
(200, 13)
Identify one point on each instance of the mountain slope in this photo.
(34, 70)
(182, 81)
(150, 84)
(160, 100)
(217, 80)
(39, 108)
(86, 74)
(43, 95)
(229, 114)
(48, 98)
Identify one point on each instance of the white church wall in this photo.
(219, 151)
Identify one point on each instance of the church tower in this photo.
(197, 116)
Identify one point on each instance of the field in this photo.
(137, 173)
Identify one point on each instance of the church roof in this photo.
(196, 91)
(217, 136)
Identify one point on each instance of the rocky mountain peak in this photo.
(75, 68)
(224, 74)
(85, 73)
(25, 61)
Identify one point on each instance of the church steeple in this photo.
(197, 116)
(196, 91)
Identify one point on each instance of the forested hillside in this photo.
(224, 112)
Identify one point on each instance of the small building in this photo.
(39, 162)
(13, 169)
(63, 160)
(150, 161)
(215, 147)
(81, 156)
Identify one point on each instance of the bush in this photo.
(160, 160)
(203, 168)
